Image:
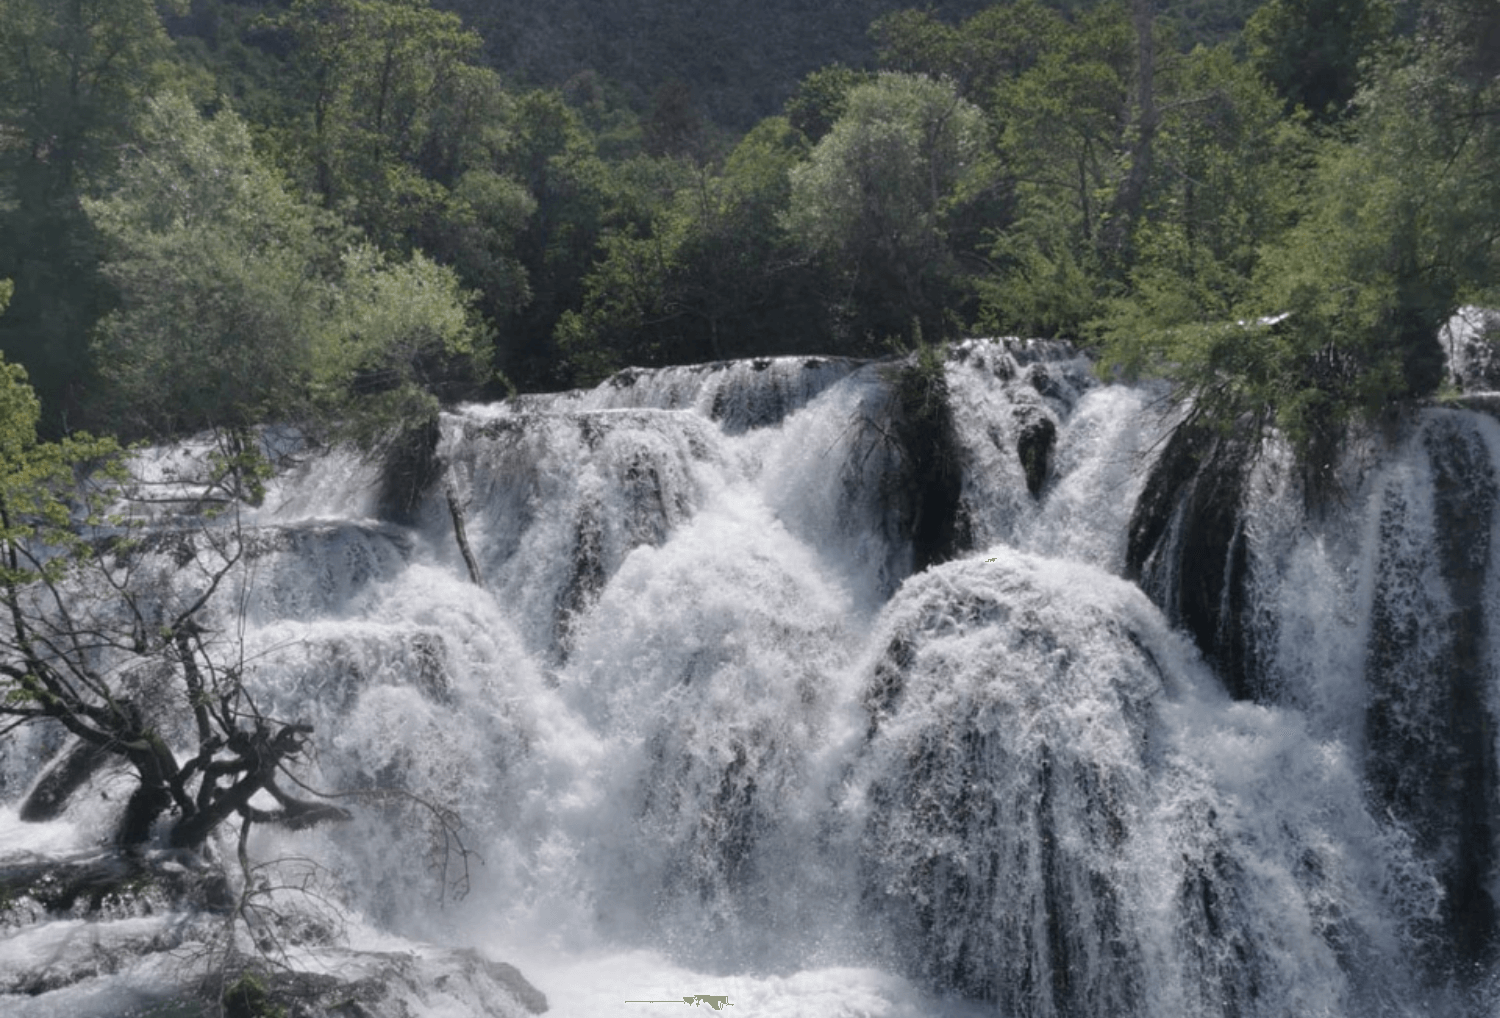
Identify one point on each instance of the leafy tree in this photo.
(996, 45)
(242, 303)
(479, 234)
(606, 115)
(550, 152)
(107, 634)
(633, 311)
(219, 269)
(1062, 144)
(708, 272)
(1312, 50)
(1399, 226)
(388, 109)
(64, 642)
(821, 99)
(1230, 178)
(674, 127)
(874, 197)
(390, 335)
(1403, 228)
(71, 77)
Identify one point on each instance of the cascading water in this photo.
(713, 732)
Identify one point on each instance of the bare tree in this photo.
(86, 622)
(103, 630)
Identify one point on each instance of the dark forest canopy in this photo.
(350, 210)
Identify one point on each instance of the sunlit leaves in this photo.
(243, 303)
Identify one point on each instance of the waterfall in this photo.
(1153, 735)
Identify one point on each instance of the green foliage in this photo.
(550, 153)
(479, 235)
(606, 115)
(391, 107)
(1236, 182)
(674, 126)
(71, 77)
(821, 98)
(40, 498)
(247, 997)
(1312, 50)
(390, 120)
(995, 46)
(385, 339)
(920, 386)
(19, 411)
(1040, 166)
(1394, 228)
(1209, 22)
(218, 268)
(1046, 283)
(703, 270)
(241, 303)
(882, 175)
(1062, 145)
(1403, 226)
(740, 60)
(873, 199)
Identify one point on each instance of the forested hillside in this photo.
(343, 212)
(740, 60)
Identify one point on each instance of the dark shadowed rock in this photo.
(1431, 747)
(1187, 549)
(410, 470)
(927, 489)
(64, 775)
(1034, 444)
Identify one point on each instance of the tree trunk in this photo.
(457, 512)
(1132, 193)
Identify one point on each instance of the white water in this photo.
(709, 736)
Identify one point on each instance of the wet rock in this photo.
(1042, 381)
(1035, 440)
(1187, 548)
(69, 771)
(926, 491)
(383, 984)
(106, 885)
(410, 469)
(975, 772)
(157, 921)
(1432, 756)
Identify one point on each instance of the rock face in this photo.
(106, 885)
(928, 483)
(1422, 655)
(1431, 746)
(1188, 550)
(410, 470)
(1172, 745)
(1051, 818)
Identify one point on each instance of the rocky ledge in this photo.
(153, 935)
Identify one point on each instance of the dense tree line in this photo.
(340, 212)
